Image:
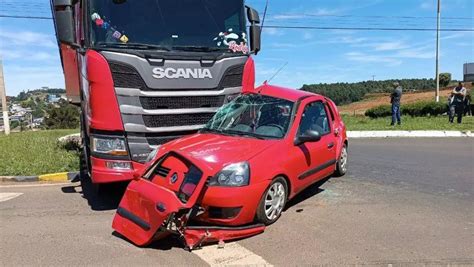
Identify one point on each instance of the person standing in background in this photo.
(395, 99)
(457, 107)
(467, 105)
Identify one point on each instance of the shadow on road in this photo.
(99, 197)
(309, 192)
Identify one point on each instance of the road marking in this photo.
(8, 196)
(231, 254)
(33, 185)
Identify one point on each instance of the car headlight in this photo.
(237, 174)
(109, 145)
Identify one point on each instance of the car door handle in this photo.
(330, 145)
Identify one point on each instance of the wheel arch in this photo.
(288, 183)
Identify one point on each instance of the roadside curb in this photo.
(53, 177)
(389, 134)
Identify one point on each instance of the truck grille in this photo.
(176, 119)
(177, 102)
(126, 76)
(233, 77)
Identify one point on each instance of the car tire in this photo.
(341, 165)
(272, 202)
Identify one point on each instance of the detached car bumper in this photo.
(231, 206)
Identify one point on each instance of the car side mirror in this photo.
(255, 29)
(64, 21)
(308, 136)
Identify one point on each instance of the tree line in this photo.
(346, 93)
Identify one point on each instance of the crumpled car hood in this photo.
(217, 151)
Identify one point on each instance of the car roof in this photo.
(284, 93)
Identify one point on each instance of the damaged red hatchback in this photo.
(235, 176)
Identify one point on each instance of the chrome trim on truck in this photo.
(133, 127)
(137, 92)
(128, 109)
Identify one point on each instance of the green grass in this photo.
(35, 153)
(362, 123)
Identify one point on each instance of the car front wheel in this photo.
(273, 201)
(341, 166)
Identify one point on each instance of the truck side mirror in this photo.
(255, 30)
(64, 21)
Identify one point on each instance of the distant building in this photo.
(469, 72)
(53, 98)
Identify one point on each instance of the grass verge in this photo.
(35, 153)
(363, 123)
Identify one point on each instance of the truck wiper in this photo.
(197, 48)
(134, 46)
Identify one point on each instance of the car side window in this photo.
(331, 113)
(314, 118)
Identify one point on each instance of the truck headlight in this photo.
(237, 174)
(114, 146)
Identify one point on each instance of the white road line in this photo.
(232, 254)
(8, 196)
(33, 185)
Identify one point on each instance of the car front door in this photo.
(313, 161)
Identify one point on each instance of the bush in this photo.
(419, 109)
(379, 111)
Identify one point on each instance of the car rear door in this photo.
(313, 161)
(174, 183)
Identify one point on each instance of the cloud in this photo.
(27, 38)
(273, 31)
(20, 77)
(27, 55)
(388, 46)
(370, 58)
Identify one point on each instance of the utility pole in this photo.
(373, 78)
(437, 50)
(3, 96)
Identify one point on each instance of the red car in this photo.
(237, 173)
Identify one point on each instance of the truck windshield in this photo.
(253, 115)
(189, 25)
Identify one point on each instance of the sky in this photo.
(31, 60)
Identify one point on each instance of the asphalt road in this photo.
(405, 201)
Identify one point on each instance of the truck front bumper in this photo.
(102, 174)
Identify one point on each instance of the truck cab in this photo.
(150, 71)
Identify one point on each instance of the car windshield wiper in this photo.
(134, 46)
(198, 48)
(210, 130)
(247, 134)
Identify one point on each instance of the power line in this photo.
(365, 28)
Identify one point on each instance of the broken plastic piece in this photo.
(106, 25)
(195, 236)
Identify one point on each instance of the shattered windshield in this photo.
(189, 25)
(253, 115)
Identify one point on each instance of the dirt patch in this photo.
(373, 100)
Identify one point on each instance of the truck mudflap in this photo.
(149, 211)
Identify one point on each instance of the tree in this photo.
(63, 116)
(444, 79)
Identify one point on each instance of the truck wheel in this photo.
(272, 202)
(341, 165)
